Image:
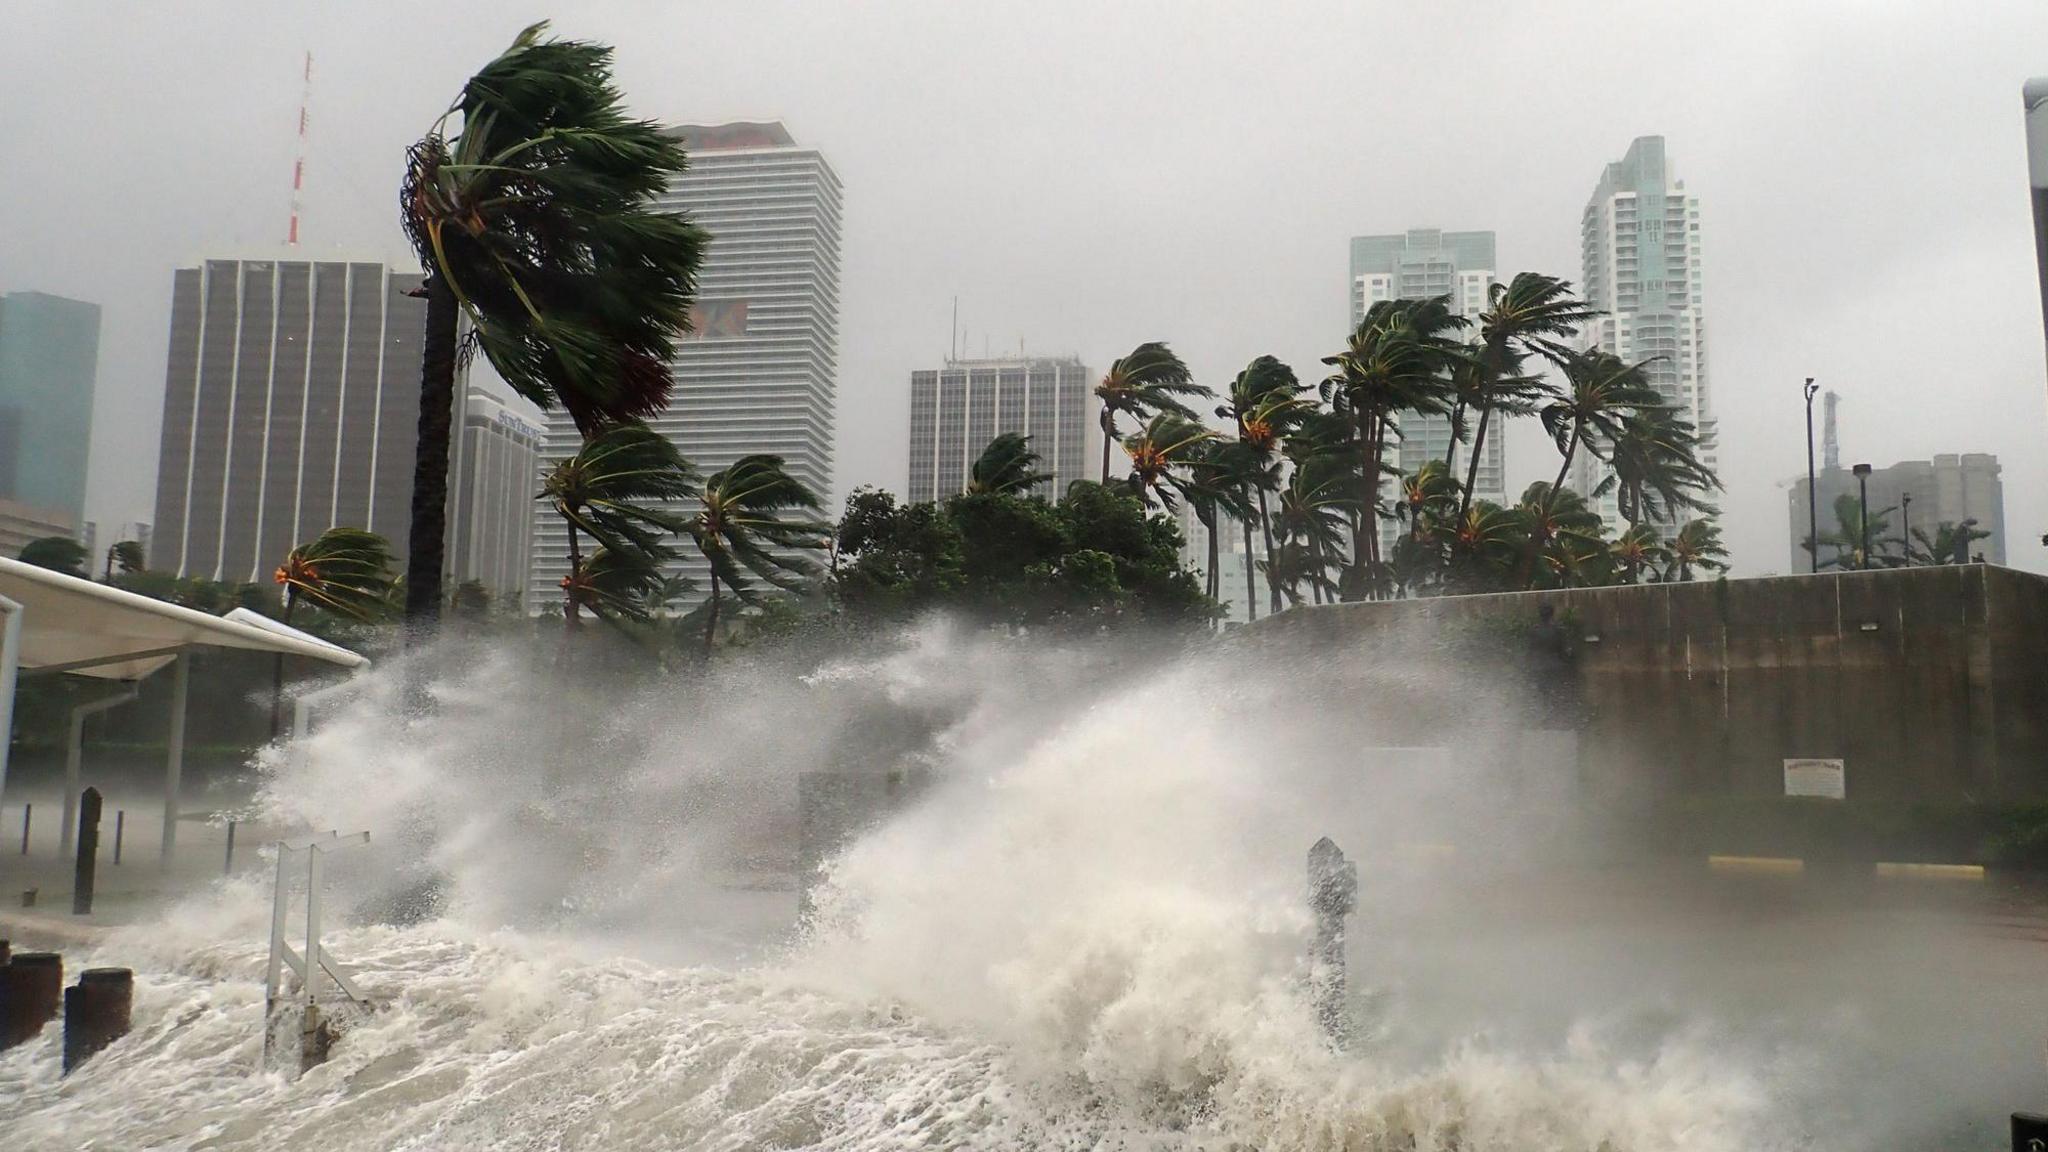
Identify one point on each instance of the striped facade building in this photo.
(759, 372)
(497, 474)
(957, 409)
(291, 405)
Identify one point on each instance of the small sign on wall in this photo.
(1823, 778)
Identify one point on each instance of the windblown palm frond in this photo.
(1150, 380)
(1007, 465)
(346, 571)
(742, 531)
(606, 488)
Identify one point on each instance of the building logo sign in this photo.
(718, 320)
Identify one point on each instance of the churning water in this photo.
(1088, 933)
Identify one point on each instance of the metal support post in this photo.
(10, 674)
(310, 965)
(74, 758)
(174, 762)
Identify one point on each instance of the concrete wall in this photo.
(1931, 683)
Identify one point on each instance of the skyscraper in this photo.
(1639, 241)
(1920, 495)
(956, 410)
(49, 357)
(758, 374)
(497, 462)
(291, 405)
(1416, 265)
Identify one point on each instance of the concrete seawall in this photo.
(1931, 684)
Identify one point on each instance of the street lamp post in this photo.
(1812, 484)
(1862, 472)
(1906, 524)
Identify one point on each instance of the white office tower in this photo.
(497, 474)
(956, 410)
(1640, 246)
(759, 372)
(1416, 265)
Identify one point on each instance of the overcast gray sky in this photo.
(1089, 175)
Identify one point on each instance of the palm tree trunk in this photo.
(1457, 426)
(1472, 468)
(1251, 587)
(711, 618)
(428, 537)
(1214, 580)
(1108, 434)
(291, 600)
(572, 616)
(1266, 536)
(1570, 446)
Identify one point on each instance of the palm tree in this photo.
(1697, 545)
(1640, 549)
(1601, 390)
(1149, 381)
(346, 571)
(1847, 537)
(1655, 467)
(125, 555)
(1161, 452)
(1265, 404)
(605, 489)
(535, 223)
(1007, 466)
(1556, 535)
(1315, 505)
(1950, 543)
(739, 528)
(1483, 545)
(1398, 359)
(57, 553)
(1531, 314)
(614, 586)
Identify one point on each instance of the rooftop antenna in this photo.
(953, 337)
(299, 166)
(1831, 451)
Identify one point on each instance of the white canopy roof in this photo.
(77, 626)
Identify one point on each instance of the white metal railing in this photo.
(307, 965)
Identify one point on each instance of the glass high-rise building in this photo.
(759, 373)
(497, 474)
(1640, 250)
(49, 358)
(956, 410)
(291, 406)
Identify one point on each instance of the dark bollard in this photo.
(228, 867)
(88, 852)
(120, 818)
(96, 1012)
(28, 897)
(3, 952)
(27, 811)
(30, 988)
(1332, 894)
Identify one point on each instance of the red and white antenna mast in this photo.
(299, 168)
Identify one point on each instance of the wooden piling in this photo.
(88, 852)
(31, 986)
(28, 811)
(120, 818)
(96, 1012)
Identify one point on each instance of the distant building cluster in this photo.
(1916, 496)
(49, 362)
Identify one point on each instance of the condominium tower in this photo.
(497, 474)
(49, 357)
(291, 406)
(1416, 265)
(957, 409)
(759, 372)
(1640, 250)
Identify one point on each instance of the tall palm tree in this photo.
(1656, 470)
(1398, 359)
(608, 490)
(346, 571)
(1007, 466)
(1149, 381)
(535, 222)
(741, 531)
(1428, 503)
(612, 586)
(1601, 390)
(1697, 545)
(1161, 452)
(1315, 505)
(1531, 314)
(1556, 536)
(1265, 404)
